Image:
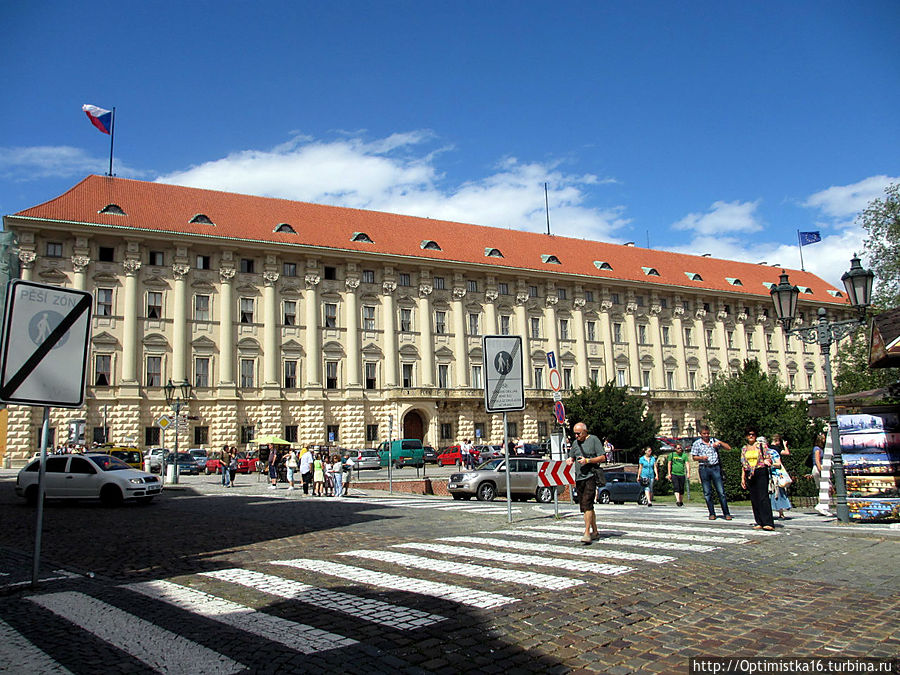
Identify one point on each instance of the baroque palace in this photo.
(324, 324)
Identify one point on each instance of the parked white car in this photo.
(88, 476)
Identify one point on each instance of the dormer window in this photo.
(113, 209)
(603, 265)
(805, 289)
(201, 219)
(650, 271)
(285, 229)
(835, 294)
(430, 245)
(693, 276)
(768, 284)
(493, 253)
(363, 237)
(734, 282)
(550, 259)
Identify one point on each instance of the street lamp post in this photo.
(858, 284)
(177, 396)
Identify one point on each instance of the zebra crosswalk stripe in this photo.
(536, 547)
(20, 656)
(467, 569)
(639, 543)
(374, 611)
(639, 530)
(721, 530)
(135, 636)
(297, 636)
(466, 596)
(517, 558)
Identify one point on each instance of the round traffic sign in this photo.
(560, 412)
(555, 379)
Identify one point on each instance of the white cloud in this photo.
(845, 201)
(400, 174)
(61, 161)
(722, 217)
(835, 210)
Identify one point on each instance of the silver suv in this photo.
(489, 481)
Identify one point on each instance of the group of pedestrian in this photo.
(763, 474)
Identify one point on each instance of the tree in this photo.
(753, 397)
(851, 365)
(881, 220)
(610, 411)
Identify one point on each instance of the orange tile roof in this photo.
(169, 208)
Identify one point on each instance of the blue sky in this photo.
(703, 127)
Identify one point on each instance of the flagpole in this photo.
(112, 138)
(799, 245)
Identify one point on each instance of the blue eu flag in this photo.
(809, 238)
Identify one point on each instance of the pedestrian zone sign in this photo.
(46, 333)
(504, 387)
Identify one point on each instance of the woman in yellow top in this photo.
(755, 463)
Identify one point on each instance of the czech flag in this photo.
(100, 118)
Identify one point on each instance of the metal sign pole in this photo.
(508, 491)
(39, 526)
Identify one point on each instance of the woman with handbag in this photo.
(782, 478)
(649, 473)
(755, 463)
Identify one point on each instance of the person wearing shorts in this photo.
(586, 451)
(679, 472)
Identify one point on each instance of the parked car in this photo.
(187, 464)
(246, 463)
(621, 487)
(429, 454)
(489, 452)
(131, 456)
(93, 475)
(532, 449)
(367, 459)
(155, 456)
(453, 455)
(200, 456)
(489, 481)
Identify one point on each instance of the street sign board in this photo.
(504, 385)
(554, 377)
(553, 474)
(164, 422)
(46, 335)
(559, 412)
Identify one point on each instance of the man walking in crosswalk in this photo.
(587, 451)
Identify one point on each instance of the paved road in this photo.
(250, 579)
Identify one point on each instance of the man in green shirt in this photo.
(679, 470)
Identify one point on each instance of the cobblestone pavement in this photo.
(208, 579)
